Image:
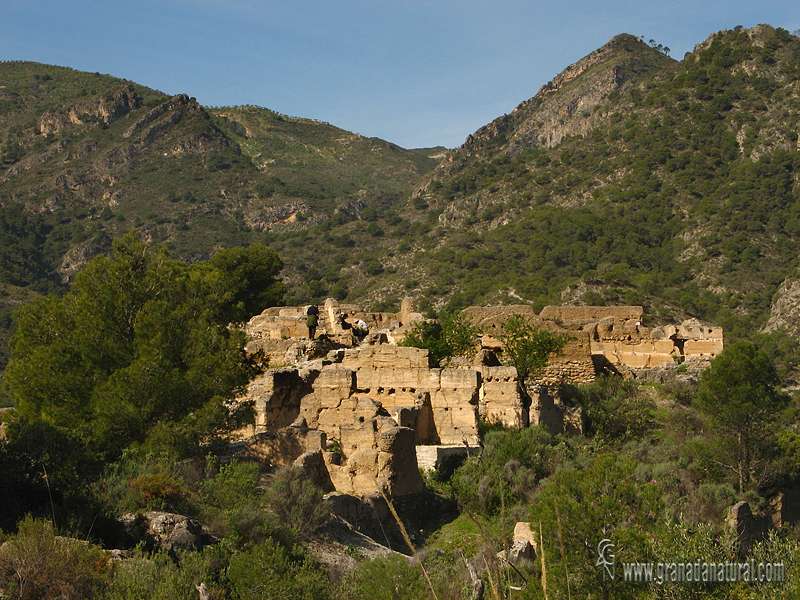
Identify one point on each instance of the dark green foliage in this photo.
(427, 335)
(528, 347)
(249, 280)
(44, 471)
(158, 577)
(739, 394)
(512, 463)
(233, 503)
(135, 351)
(453, 334)
(614, 407)
(143, 481)
(268, 571)
(391, 578)
(582, 507)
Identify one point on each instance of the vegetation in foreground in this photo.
(655, 473)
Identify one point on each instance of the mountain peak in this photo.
(565, 105)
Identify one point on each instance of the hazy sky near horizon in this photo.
(417, 73)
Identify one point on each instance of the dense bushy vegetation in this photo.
(656, 471)
(139, 353)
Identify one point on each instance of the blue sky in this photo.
(416, 73)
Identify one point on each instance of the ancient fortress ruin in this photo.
(363, 413)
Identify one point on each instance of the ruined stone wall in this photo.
(378, 400)
(630, 344)
(574, 364)
(615, 335)
(394, 375)
(284, 323)
(277, 395)
(281, 447)
(376, 453)
(499, 398)
(591, 313)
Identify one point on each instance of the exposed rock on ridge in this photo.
(558, 108)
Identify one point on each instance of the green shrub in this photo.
(234, 504)
(615, 408)
(512, 463)
(158, 577)
(268, 572)
(577, 508)
(452, 335)
(35, 564)
(296, 502)
(142, 480)
(393, 577)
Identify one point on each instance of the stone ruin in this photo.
(360, 413)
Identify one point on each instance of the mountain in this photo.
(633, 178)
(87, 157)
(630, 178)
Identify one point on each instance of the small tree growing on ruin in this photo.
(452, 335)
(528, 347)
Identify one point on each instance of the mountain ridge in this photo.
(629, 178)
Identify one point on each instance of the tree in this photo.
(249, 281)
(528, 347)
(453, 334)
(139, 349)
(739, 394)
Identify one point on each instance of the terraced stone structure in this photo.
(352, 409)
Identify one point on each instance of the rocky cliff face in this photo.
(565, 106)
(107, 108)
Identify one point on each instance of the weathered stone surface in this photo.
(377, 454)
(702, 347)
(432, 457)
(750, 528)
(521, 551)
(785, 508)
(499, 399)
(277, 396)
(166, 531)
(591, 313)
(374, 401)
(314, 465)
(548, 410)
(282, 446)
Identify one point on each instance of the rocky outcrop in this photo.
(107, 108)
(170, 532)
(784, 314)
(565, 106)
(524, 545)
(181, 100)
(35, 160)
(750, 528)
